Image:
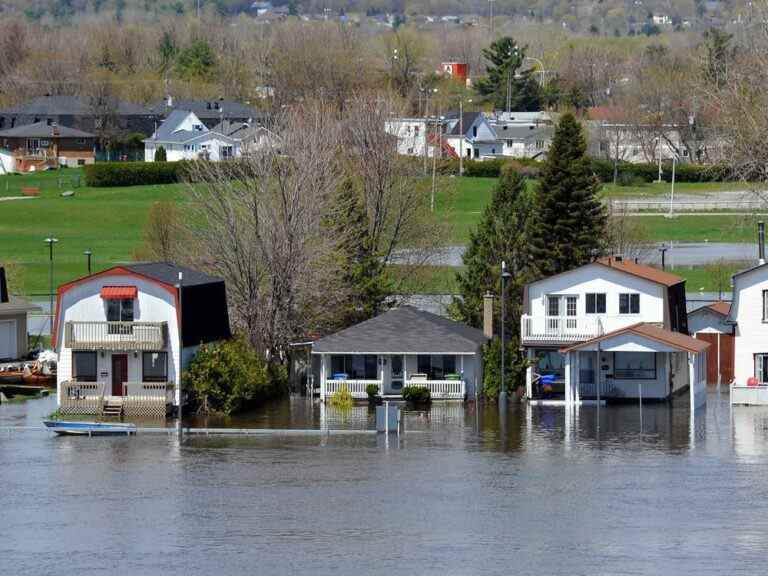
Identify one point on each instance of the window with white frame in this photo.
(629, 303)
(595, 303)
(761, 368)
(634, 365)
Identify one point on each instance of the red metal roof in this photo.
(119, 292)
(682, 342)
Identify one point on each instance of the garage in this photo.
(13, 322)
(710, 324)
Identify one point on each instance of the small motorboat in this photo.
(75, 428)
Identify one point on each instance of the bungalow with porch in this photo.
(610, 330)
(399, 348)
(123, 336)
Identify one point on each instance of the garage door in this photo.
(724, 345)
(8, 339)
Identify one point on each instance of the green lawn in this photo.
(53, 181)
(108, 221)
(701, 228)
(703, 279)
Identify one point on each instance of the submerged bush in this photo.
(342, 398)
(417, 394)
(372, 390)
(230, 376)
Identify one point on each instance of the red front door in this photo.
(119, 373)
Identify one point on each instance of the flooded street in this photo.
(463, 491)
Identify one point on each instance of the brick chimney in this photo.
(488, 315)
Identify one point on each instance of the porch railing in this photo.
(445, 389)
(147, 398)
(355, 387)
(559, 328)
(115, 335)
(82, 398)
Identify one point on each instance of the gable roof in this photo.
(74, 106)
(467, 120)
(677, 340)
(207, 109)
(403, 330)
(720, 307)
(44, 130)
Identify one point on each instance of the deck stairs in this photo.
(112, 408)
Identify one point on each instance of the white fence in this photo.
(686, 205)
(559, 328)
(441, 389)
(355, 387)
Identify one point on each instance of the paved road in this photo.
(681, 254)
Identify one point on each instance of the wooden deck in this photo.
(149, 399)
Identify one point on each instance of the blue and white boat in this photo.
(90, 428)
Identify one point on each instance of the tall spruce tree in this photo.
(362, 270)
(502, 235)
(570, 221)
(505, 58)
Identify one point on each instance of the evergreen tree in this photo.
(363, 271)
(160, 155)
(502, 235)
(505, 58)
(570, 220)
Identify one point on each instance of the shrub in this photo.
(342, 398)
(110, 174)
(230, 376)
(160, 155)
(372, 390)
(630, 179)
(417, 394)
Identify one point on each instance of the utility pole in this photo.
(503, 394)
(439, 128)
(51, 241)
(179, 396)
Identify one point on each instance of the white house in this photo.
(749, 312)
(117, 334)
(411, 134)
(13, 322)
(399, 348)
(185, 137)
(614, 329)
(472, 136)
(523, 134)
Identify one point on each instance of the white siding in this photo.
(83, 302)
(597, 278)
(751, 331)
(705, 320)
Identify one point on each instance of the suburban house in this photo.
(399, 348)
(184, 137)
(411, 134)
(44, 145)
(252, 137)
(710, 324)
(612, 329)
(749, 314)
(89, 114)
(123, 336)
(209, 112)
(471, 136)
(523, 134)
(13, 322)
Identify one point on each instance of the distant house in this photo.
(185, 137)
(43, 145)
(411, 134)
(400, 348)
(471, 136)
(251, 137)
(117, 334)
(95, 115)
(523, 134)
(13, 322)
(209, 112)
(612, 329)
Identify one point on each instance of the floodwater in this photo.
(462, 491)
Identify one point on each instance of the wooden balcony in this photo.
(115, 335)
(559, 329)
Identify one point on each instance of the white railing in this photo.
(559, 328)
(687, 206)
(147, 398)
(441, 389)
(115, 335)
(355, 387)
(81, 397)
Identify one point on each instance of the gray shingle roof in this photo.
(468, 118)
(206, 109)
(16, 305)
(514, 131)
(44, 130)
(169, 273)
(73, 106)
(403, 330)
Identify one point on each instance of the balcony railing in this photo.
(439, 389)
(560, 328)
(115, 335)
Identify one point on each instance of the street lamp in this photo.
(672, 189)
(663, 249)
(51, 241)
(88, 254)
(504, 276)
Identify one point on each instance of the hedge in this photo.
(111, 174)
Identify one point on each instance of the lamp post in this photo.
(88, 255)
(663, 249)
(51, 241)
(672, 189)
(504, 275)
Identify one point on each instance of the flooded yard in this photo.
(463, 491)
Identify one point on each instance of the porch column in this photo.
(568, 380)
(322, 377)
(576, 377)
(529, 375)
(692, 381)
